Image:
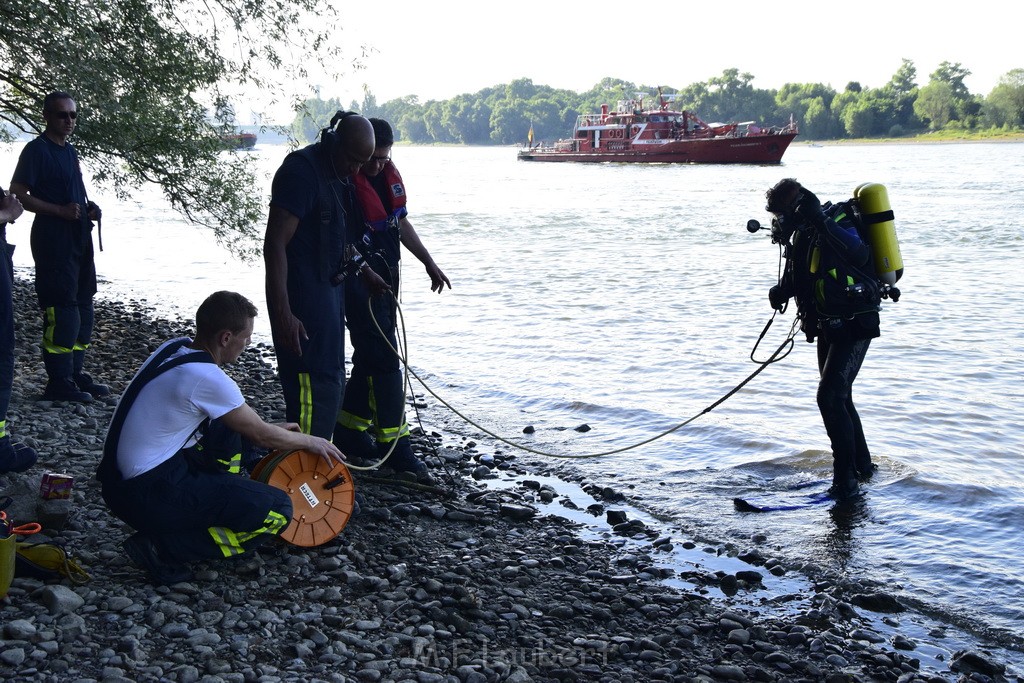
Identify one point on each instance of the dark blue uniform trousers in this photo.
(6, 330)
(192, 513)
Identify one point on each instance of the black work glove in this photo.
(777, 298)
(809, 208)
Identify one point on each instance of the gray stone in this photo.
(19, 629)
(739, 636)
(728, 672)
(60, 599)
(119, 603)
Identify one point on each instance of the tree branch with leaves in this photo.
(154, 81)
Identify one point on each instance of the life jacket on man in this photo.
(378, 216)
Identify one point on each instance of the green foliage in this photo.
(810, 104)
(859, 119)
(897, 99)
(509, 123)
(966, 107)
(953, 75)
(818, 123)
(152, 80)
(504, 113)
(467, 120)
(314, 114)
(1004, 106)
(935, 104)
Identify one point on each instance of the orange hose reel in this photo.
(323, 496)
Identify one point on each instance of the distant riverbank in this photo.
(925, 139)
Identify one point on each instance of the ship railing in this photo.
(589, 120)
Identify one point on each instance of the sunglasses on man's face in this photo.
(66, 115)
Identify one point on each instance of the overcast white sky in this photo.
(437, 49)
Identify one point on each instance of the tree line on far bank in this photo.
(154, 82)
(503, 114)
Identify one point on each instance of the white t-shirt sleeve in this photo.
(168, 411)
(216, 394)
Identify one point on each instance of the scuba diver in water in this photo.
(830, 272)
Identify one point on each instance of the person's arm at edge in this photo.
(68, 212)
(412, 242)
(246, 422)
(281, 227)
(10, 207)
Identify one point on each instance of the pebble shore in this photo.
(460, 583)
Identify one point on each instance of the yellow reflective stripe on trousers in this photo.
(227, 540)
(273, 524)
(3, 428)
(384, 434)
(389, 434)
(234, 465)
(350, 421)
(48, 330)
(230, 542)
(371, 397)
(305, 403)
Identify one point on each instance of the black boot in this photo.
(865, 468)
(59, 368)
(143, 554)
(844, 489)
(865, 472)
(15, 457)
(84, 381)
(64, 389)
(357, 445)
(844, 476)
(402, 459)
(86, 384)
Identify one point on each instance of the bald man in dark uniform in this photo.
(306, 260)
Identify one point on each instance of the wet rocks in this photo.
(458, 583)
(518, 513)
(966, 662)
(877, 602)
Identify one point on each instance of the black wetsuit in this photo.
(843, 324)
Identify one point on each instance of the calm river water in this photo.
(629, 298)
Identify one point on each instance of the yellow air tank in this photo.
(878, 217)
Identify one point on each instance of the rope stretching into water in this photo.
(778, 355)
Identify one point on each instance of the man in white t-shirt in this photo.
(152, 472)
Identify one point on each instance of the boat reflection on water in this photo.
(633, 134)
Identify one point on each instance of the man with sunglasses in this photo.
(830, 273)
(375, 392)
(48, 181)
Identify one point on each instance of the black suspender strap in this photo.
(108, 471)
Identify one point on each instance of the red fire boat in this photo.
(633, 134)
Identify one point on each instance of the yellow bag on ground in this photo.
(6, 563)
(48, 561)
